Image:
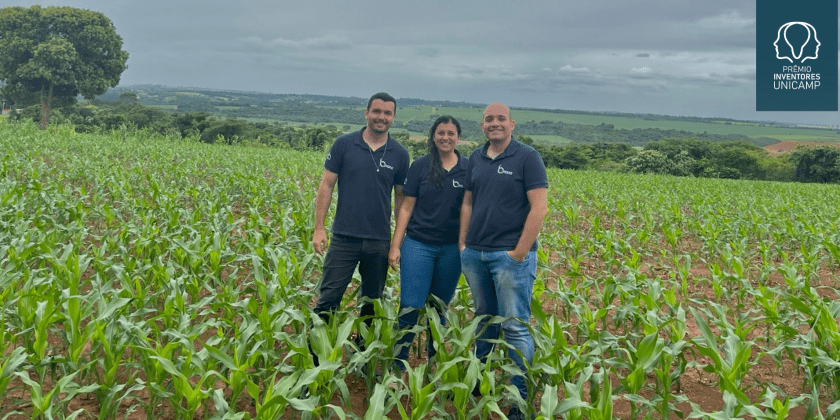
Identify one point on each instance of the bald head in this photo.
(496, 124)
(497, 107)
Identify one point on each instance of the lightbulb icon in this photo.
(796, 53)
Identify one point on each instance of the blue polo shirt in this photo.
(499, 195)
(365, 181)
(436, 215)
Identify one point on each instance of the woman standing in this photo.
(425, 243)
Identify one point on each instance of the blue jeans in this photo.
(502, 286)
(424, 270)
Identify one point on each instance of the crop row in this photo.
(146, 275)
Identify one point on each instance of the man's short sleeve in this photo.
(335, 156)
(402, 168)
(412, 180)
(468, 172)
(534, 175)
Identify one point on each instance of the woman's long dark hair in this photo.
(436, 171)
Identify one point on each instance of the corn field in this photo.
(144, 276)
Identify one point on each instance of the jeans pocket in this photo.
(515, 261)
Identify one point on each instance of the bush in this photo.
(818, 164)
(649, 162)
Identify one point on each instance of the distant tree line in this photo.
(127, 113)
(683, 154)
(817, 164)
(315, 109)
(580, 133)
(607, 133)
(725, 159)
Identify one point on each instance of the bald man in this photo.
(504, 206)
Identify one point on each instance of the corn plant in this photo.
(136, 263)
(730, 363)
(53, 403)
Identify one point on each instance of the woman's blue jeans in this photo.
(502, 286)
(424, 270)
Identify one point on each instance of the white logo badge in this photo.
(329, 156)
(787, 51)
(456, 184)
(503, 171)
(385, 165)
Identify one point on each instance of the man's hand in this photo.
(517, 256)
(394, 258)
(319, 241)
(322, 204)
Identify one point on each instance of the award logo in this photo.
(796, 56)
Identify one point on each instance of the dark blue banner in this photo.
(796, 55)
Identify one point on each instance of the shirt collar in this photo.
(361, 140)
(511, 148)
(462, 161)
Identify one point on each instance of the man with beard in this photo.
(367, 165)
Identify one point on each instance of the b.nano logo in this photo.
(785, 50)
(456, 184)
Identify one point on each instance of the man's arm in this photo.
(322, 204)
(466, 215)
(538, 198)
(405, 211)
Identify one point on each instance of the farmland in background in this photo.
(147, 276)
(339, 111)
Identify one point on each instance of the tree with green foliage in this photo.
(153, 119)
(52, 55)
(734, 159)
(572, 157)
(227, 131)
(671, 147)
(193, 123)
(129, 97)
(817, 164)
(652, 162)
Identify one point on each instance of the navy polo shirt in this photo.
(436, 215)
(365, 181)
(499, 195)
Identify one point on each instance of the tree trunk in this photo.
(45, 108)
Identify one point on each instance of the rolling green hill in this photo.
(414, 116)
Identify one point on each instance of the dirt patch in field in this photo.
(782, 147)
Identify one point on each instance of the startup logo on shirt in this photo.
(385, 165)
(502, 171)
(456, 184)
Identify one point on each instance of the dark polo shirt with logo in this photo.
(499, 195)
(436, 215)
(365, 181)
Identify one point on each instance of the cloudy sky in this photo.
(674, 57)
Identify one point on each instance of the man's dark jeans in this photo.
(344, 253)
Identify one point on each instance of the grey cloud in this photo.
(660, 56)
(428, 51)
(325, 42)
